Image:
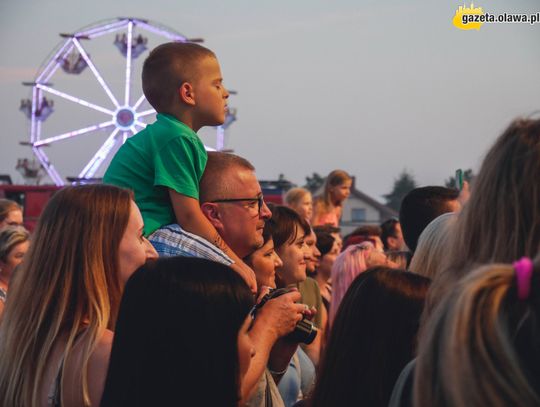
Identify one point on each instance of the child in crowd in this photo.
(301, 201)
(163, 164)
(328, 206)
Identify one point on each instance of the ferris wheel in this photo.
(122, 114)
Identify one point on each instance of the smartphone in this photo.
(459, 179)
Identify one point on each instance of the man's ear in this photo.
(211, 211)
(186, 93)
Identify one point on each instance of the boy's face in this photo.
(210, 94)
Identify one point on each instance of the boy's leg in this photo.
(172, 240)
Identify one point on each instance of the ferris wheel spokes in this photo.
(164, 33)
(51, 171)
(53, 65)
(98, 158)
(74, 99)
(128, 62)
(145, 113)
(103, 30)
(74, 133)
(95, 71)
(139, 102)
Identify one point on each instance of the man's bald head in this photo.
(218, 179)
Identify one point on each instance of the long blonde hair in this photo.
(481, 345)
(68, 285)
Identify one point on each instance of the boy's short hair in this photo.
(167, 67)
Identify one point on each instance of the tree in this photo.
(402, 186)
(468, 176)
(314, 182)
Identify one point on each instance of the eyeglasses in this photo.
(259, 199)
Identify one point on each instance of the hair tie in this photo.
(524, 270)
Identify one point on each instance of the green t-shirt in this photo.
(166, 154)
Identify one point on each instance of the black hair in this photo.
(327, 228)
(175, 342)
(388, 229)
(325, 242)
(421, 206)
(373, 337)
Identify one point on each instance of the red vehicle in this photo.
(31, 197)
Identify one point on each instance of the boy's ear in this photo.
(211, 211)
(187, 94)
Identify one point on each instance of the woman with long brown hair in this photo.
(56, 332)
(501, 220)
(499, 223)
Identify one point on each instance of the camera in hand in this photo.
(305, 331)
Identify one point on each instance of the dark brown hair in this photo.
(167, 67)
(373, 337)
(283, 225)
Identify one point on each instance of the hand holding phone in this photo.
(459, 179)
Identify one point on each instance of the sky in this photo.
(371, 87)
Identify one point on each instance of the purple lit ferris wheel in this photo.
(122, 115)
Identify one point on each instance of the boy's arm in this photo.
(190, 217)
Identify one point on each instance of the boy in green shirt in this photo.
(164, 163)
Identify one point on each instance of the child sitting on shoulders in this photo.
(163, 163)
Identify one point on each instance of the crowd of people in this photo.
(175, 284)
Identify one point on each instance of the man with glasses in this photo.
(231, 199)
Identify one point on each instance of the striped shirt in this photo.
(172, 240)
